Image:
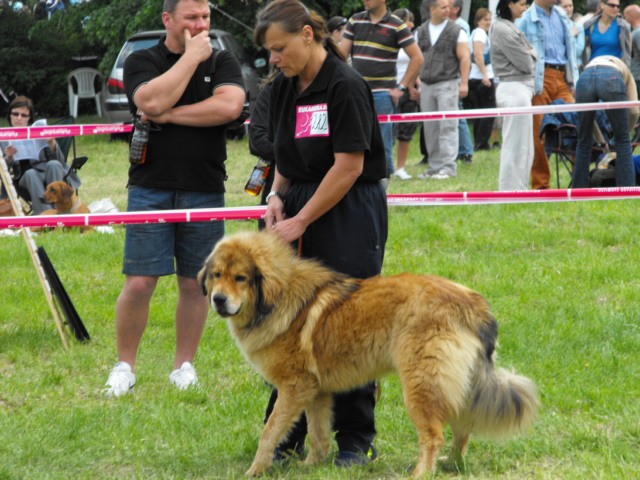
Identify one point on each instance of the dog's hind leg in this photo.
(427, 414)
(319, 426)
(286, 411)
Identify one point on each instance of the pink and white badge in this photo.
(312, 121)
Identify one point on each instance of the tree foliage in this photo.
(36, 55)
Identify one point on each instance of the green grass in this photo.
(563, 280)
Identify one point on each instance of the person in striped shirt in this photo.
(373, 38)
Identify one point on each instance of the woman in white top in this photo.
(482, 91)
(513, 60)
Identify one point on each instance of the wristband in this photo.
(273, 194)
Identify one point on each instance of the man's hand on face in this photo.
(199, 47)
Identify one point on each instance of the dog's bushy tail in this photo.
(502, 403)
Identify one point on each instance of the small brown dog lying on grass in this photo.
(311, 331)
(65, 201)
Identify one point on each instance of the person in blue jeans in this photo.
(606, 79)
(465, 143)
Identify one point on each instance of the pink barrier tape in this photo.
(52, 131)
(55, 131)
(123, 218)
(253, 213)
(503, 112)
(519, 196)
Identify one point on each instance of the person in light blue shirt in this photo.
(549, 30)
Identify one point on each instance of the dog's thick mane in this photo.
(278, 265)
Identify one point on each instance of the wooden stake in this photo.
(31, 246)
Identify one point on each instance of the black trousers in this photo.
(481, 96)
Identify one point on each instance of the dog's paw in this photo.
(256, 470)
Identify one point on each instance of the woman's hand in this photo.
(10, 151)
(274, 213)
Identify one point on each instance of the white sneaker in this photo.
(440, 176)
(402, 174)
(121, 381)
(184, 377)
(435, 176)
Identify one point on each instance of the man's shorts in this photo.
(150, 249)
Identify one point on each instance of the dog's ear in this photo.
(263, 305)
(67, 191)
(202, 277)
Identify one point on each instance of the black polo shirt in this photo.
(178, 156)
(335, 114)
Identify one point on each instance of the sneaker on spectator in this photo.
(184, 377)
(121, 381)
(402, 174)
(440, 176)
(435, 176)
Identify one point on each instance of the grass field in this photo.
(563, 280)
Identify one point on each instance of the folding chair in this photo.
(560, 142)
(65, 145)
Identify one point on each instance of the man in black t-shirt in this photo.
(188, 95)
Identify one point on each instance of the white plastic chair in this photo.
(84, 80)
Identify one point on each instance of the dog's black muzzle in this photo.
(220, 303)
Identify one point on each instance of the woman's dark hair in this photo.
(292, 16)
(19, 102)
(503, 10)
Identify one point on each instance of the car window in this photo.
(133, 46)
(235, 49)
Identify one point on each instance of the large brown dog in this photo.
(64, 200)
(311, 331)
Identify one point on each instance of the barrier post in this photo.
(31, 246)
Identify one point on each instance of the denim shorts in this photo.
(150, 249)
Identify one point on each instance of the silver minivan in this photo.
(116, 106)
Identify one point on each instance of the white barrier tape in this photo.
(53, 131)
(253, 213)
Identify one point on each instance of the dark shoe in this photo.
(281, 455)
(481, 147)
(495, 145)
(348, 459)
(465, 158)
(424, 161)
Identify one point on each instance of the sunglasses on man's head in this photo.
(20, 114)
(612, 5)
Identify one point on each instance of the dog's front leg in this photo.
(286, 411)
(319, 426)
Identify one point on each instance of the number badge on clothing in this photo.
(312, 121)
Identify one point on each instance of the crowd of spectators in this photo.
(458, 71)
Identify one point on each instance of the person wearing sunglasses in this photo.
(34, 163)
(607, 33)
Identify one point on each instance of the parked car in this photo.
(116, 105)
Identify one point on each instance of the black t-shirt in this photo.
(182, 157)
(335, 114)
